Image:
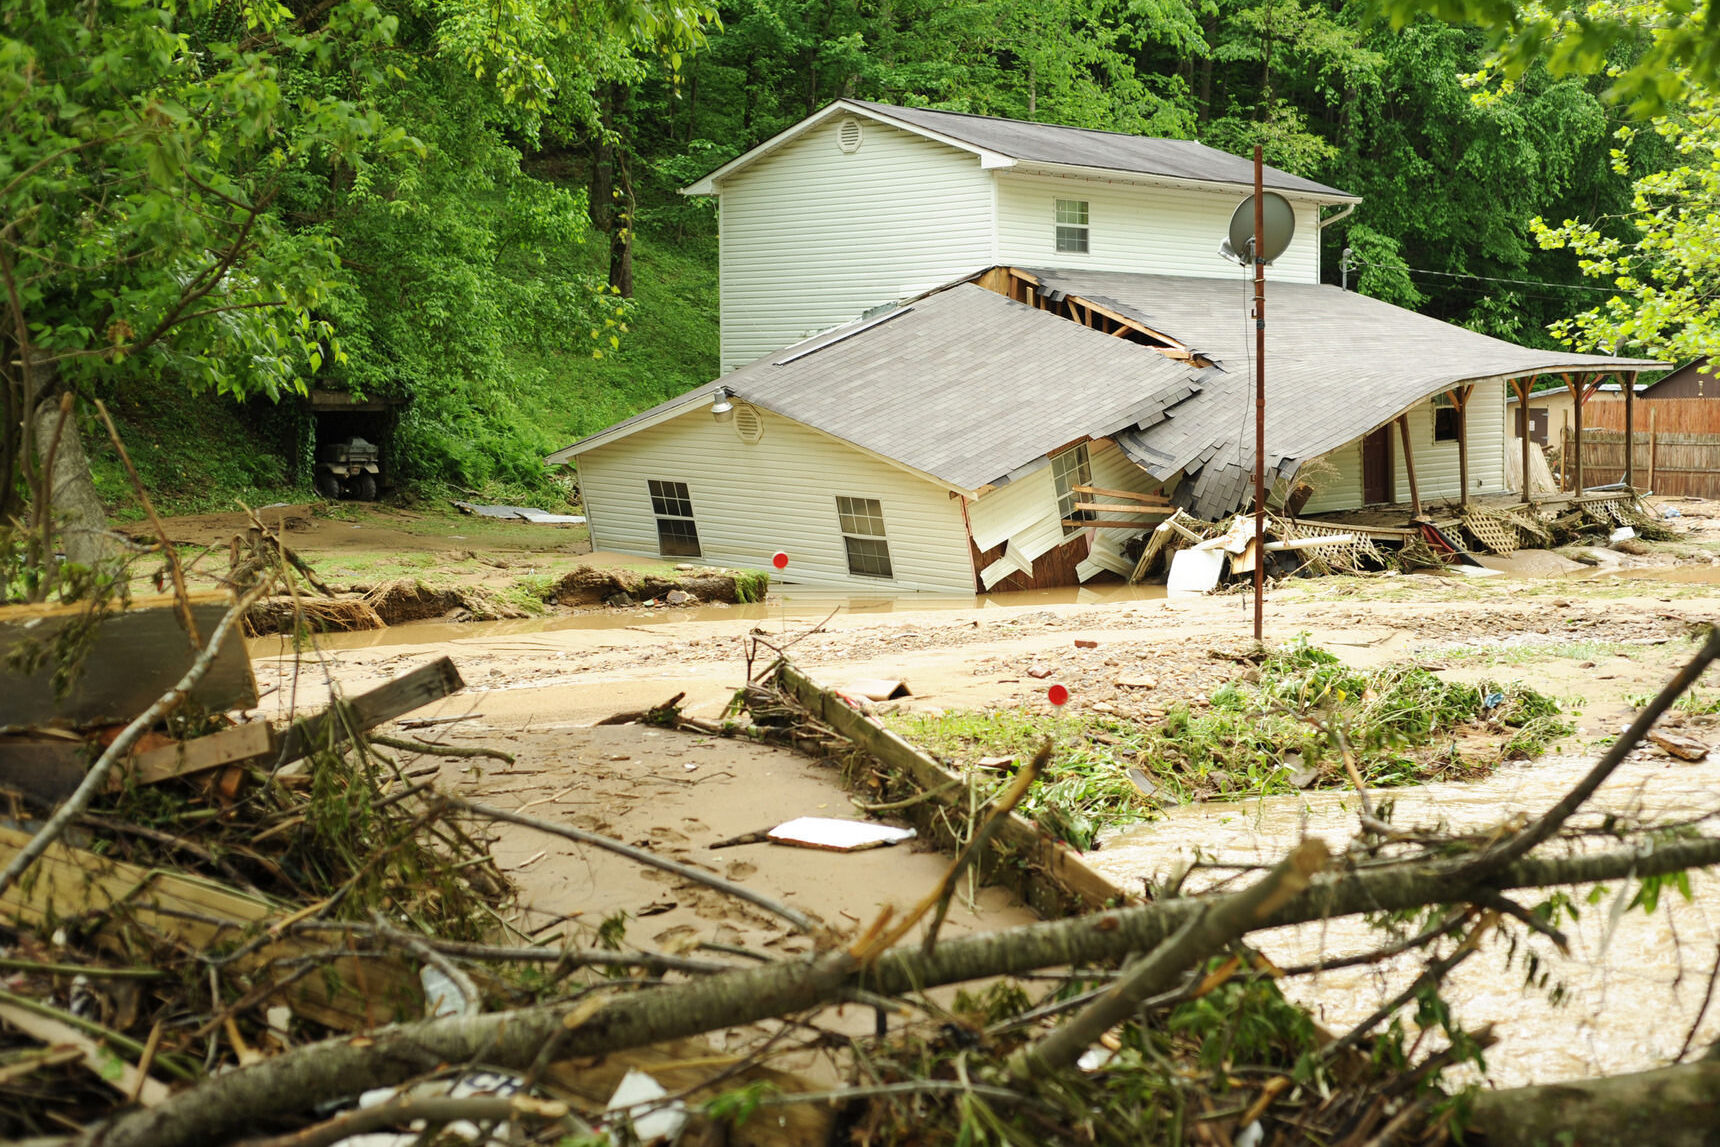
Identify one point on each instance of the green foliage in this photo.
(1302, 711)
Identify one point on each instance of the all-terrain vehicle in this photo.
(348, 470)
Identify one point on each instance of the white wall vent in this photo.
(848, 135)
(749, 424)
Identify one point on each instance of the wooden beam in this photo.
(1461, 402)
(1574, 384)
(1097, 524)
(1629, 382)
(334, 725)
(1160, 511)
(71, 883)
(229, 746)
(1149, 499)
(1409, 466)
(1523, 385)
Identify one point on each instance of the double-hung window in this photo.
(677, 535)
(1072, 226)
(862, 522)
(1071, 468)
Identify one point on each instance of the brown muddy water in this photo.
(1634, 983)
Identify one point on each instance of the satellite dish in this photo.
(1278, 227)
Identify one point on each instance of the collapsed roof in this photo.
(967, 386)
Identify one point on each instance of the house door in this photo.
(1377, 466)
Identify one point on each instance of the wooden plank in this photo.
(1097, 524)
(69, 883)
(46, 770)
(135, 656)
(229, 746)
(405, 693)
(1148, 499)
(1067, 880)
(1157, 511)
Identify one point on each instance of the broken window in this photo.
(1072, 226)
(1071, 468)
(863, 534)
(677, 536)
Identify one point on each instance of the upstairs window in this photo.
(1071, 468)
(677, 535)
(863, 534)
(1072, 226)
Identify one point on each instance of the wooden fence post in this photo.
(1653, 448)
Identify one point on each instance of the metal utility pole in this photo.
(1259, 395)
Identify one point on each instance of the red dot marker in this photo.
(1057, 695)
(779, 560)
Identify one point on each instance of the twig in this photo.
(14, 964)
(1510, 849)
(671, 707)
(181, 599)
(413, 745)
(1450, 923)
(1506, 906)
(472, 1002)
(794, 916)
(1214, 925)
(1432, 974)
(909, 802)
(1707, 998)
(95, 780)
(437, 1111)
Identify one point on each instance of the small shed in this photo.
(340, 415)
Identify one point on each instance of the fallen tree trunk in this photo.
(1671, 1107)
(318, 1073)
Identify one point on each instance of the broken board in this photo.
(134, 657)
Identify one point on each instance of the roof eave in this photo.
(629, 427)
(1122, 175)
(708, 184)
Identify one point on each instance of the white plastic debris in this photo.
(837, 835)
(442, 996)
(1622, 534)
(469, 1084)
(1250, 1136)
(1193, 572)
(638, 1100)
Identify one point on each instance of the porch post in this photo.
(1409, 466)
(1629, 381)
(1460, 400)
(1575, 386)
(1523, 385)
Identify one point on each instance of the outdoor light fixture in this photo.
(721, 408)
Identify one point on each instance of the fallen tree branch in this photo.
(414, 745)
(317, 1073)
(793, 915)
(435, 1110)
(95, 781)
(1216, 924)
(1671, 1107)
(1519, 845)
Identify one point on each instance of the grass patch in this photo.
(1274, 732)
(1524, 653)
(1696, 703)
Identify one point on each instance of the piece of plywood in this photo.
(836, 834)
(134, 657)
(405, 693)
(67, 883)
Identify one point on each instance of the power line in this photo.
(1354, 262)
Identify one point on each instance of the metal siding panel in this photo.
(812, 237)
(778, 494)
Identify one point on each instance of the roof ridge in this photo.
(1059, 126)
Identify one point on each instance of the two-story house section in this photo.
(863, 204)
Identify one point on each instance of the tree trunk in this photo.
(79, 519)
(298, 1080)
(621, 237)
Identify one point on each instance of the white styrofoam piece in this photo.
(1194, 571)
(837, 835)
(634, 1101)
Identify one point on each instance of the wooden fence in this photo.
(1669, 415)
(1665, 462)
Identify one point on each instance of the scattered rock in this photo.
(1083, 643)
(1039, 672)
(678, 597)
(1684, 748)
(1137, 682)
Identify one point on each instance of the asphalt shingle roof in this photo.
(1338, 364)
(1114, 151)
(963, 384)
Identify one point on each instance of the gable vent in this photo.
(848, 136)
(748, 423)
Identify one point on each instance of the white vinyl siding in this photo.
(1436, 463)
(812, 237)
(1139, 227)
(779, 494)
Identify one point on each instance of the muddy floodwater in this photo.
(1634, 983)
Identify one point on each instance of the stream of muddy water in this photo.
(1633, 982)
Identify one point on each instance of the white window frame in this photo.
(861, 521)
(1072, 226)
(1077, 463)
(672, 503)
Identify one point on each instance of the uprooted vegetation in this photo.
(1279, 726)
